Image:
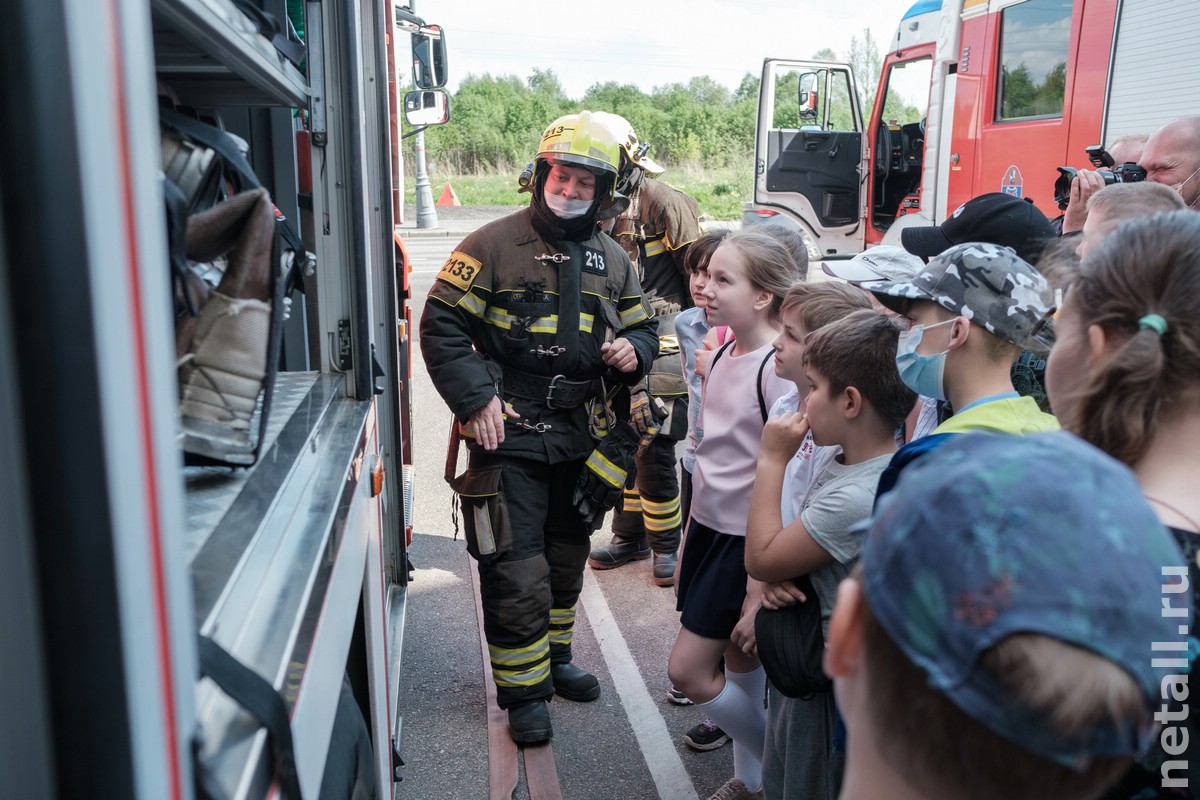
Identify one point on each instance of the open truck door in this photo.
(810, 156)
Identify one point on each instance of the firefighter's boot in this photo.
(663, 524)
(629, 536)
(572, 683)
(617, 552)
(224, 362)
(664, 569)
(221, 376)
(529, 723)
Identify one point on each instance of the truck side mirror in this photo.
(422, 108)
(808, 96)
(429, 58)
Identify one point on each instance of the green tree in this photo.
(1050, 94)
(748, 88)
(866, 59)
(1018, 92)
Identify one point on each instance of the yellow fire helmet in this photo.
(631, 147)
(581, 140)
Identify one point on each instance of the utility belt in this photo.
(556, 391)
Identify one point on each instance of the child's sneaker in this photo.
(678, 698)
(705, 736)
(735, 790)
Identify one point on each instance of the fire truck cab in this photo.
(975, 96)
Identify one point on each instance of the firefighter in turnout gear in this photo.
(655, 230)
(532, 323)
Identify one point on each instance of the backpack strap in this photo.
(762, 400)
(720, 352)
(255, 694)
(244, 178)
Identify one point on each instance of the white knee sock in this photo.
(739, 711)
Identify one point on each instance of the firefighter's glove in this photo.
(597, 418)
(646, 412)
(608, 470)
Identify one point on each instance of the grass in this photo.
(721, 192)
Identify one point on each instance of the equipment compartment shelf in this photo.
(212, 55)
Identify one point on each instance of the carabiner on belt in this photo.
(553, 350)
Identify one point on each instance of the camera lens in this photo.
(1062, 186)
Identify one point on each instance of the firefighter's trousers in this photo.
(651, 509)
(529, 587)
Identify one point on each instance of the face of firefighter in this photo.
(571, 183)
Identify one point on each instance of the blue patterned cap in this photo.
(992, 535)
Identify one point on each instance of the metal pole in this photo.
(426, 210)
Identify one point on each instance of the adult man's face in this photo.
(1172, 158)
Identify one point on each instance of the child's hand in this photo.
(778, 594)
(703, 357)
(743, 632)
(783, 435)
(704, 352)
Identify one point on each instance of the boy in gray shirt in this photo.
(855, 399)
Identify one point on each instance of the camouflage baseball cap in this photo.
(994, 535)
(988, 284)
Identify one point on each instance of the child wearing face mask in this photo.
(972, 311)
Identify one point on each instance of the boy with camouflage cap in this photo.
(972, 311)
(999, 637)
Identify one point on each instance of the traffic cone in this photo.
(448, 198)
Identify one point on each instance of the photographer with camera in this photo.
(1119, 164)
(1172, 158)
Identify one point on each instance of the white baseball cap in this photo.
(880, 263)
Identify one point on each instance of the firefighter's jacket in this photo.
(507, 303)
(655, 230)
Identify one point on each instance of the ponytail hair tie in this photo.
(1153, 322)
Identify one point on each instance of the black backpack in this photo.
(791, 645)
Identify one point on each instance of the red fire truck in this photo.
(975, 96)
(183, 622)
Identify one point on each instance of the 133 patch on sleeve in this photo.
(459, 270)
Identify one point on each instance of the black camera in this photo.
(1128, 172)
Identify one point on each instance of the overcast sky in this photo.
(649, 43)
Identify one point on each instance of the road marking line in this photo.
(666, 768)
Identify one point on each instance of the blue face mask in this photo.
(922, 374)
